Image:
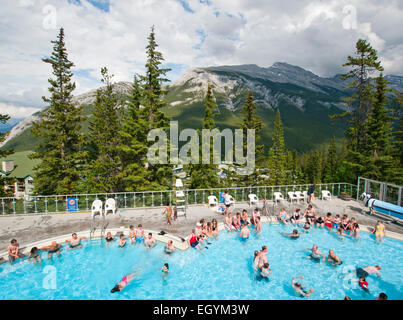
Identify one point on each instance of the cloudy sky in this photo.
(316, 35)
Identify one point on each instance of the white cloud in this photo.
(15, 111)
(302, 32)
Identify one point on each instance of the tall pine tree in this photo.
(277, 154)
(60, 150)
(105, 167)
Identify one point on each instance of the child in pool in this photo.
(125, 280)
(122, 241)
(164, 270)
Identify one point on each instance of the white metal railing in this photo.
(58, 203)
(380, 190)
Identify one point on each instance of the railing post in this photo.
(2, 204)
(14, 205)
(46, 204)
(56, 204)
(152, 199)
(25, 206)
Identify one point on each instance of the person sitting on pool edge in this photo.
(150, 242)
(294, 235)
(169, 248)
(139, 234)
(109, 237)
(193, 241)
(75, 241)
(13, 250)
(300, 288)
(125, 280)
(333, 259)
(283, 216)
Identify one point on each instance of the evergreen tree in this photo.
(60, 150)
(159, 175)
(277, 154)
(205, 175)
(360, 103)
(330, 169)
(251, 121)
(133, 137)
(106, 166)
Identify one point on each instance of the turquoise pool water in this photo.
(223, 271)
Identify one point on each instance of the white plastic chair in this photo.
(299, 195)
(253, 199)
(212, 201)
(278, 196)
(96, 208)
(292, 196)
(326, 195)
(110, 205)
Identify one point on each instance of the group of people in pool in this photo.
(34, 255)
(201, 235)
(344, 225)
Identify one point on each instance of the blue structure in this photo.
(387, 208)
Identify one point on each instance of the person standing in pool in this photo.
(169, 248)
(150, 242)
(265, 207)
(122, 240)
(265, 272)
(315, 253)
(34, 255)
(139, 233)
(333, 259)
(258, 227)
(263, 257)
(379, 231)
(214, 228)
(123, 283)
(54, 247)
(13, 250)
(75, 241)
(299, 288)
(244, 233)
(355, 229)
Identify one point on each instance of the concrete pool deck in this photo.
(39, 229)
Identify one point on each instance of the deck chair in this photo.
(110, 206)
(299, 195)
(326, 195)
(253, 199)
(96, 208)
(212, 201)
(292, 196)
(278, 196)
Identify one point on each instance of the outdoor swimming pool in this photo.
(223, 271)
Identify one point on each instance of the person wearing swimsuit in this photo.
(168, 212)
(265, 210)
(123, 283)
(214, 228)
(336, 222)
(295, 219)
(139, 234)
(294, 235)
(132, 234)
(315, 253)
(122, 241)
(53, 248)
(109, 237)
(300, 288)
(244, 233)
(329, 221)
(379, 231)
(169, 248)
(193, 241)
(34, 255)
(333, 259)
(13, 250)
(282, 216)
(258, 227)
(75, 241)
(310, 214)
(164, 270)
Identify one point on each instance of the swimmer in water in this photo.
(333, 259)
(169, 248)
(315, 253)
(150, 242)
(299, 288)
(363, 284)
(122, 240)
(53, 248)
(125, 280)
(244, 233)
(265, 272)
(294, 235)
(34, 255)
(164, 270)
(75, 241)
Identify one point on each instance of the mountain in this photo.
(4, 127)
(305, 101)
